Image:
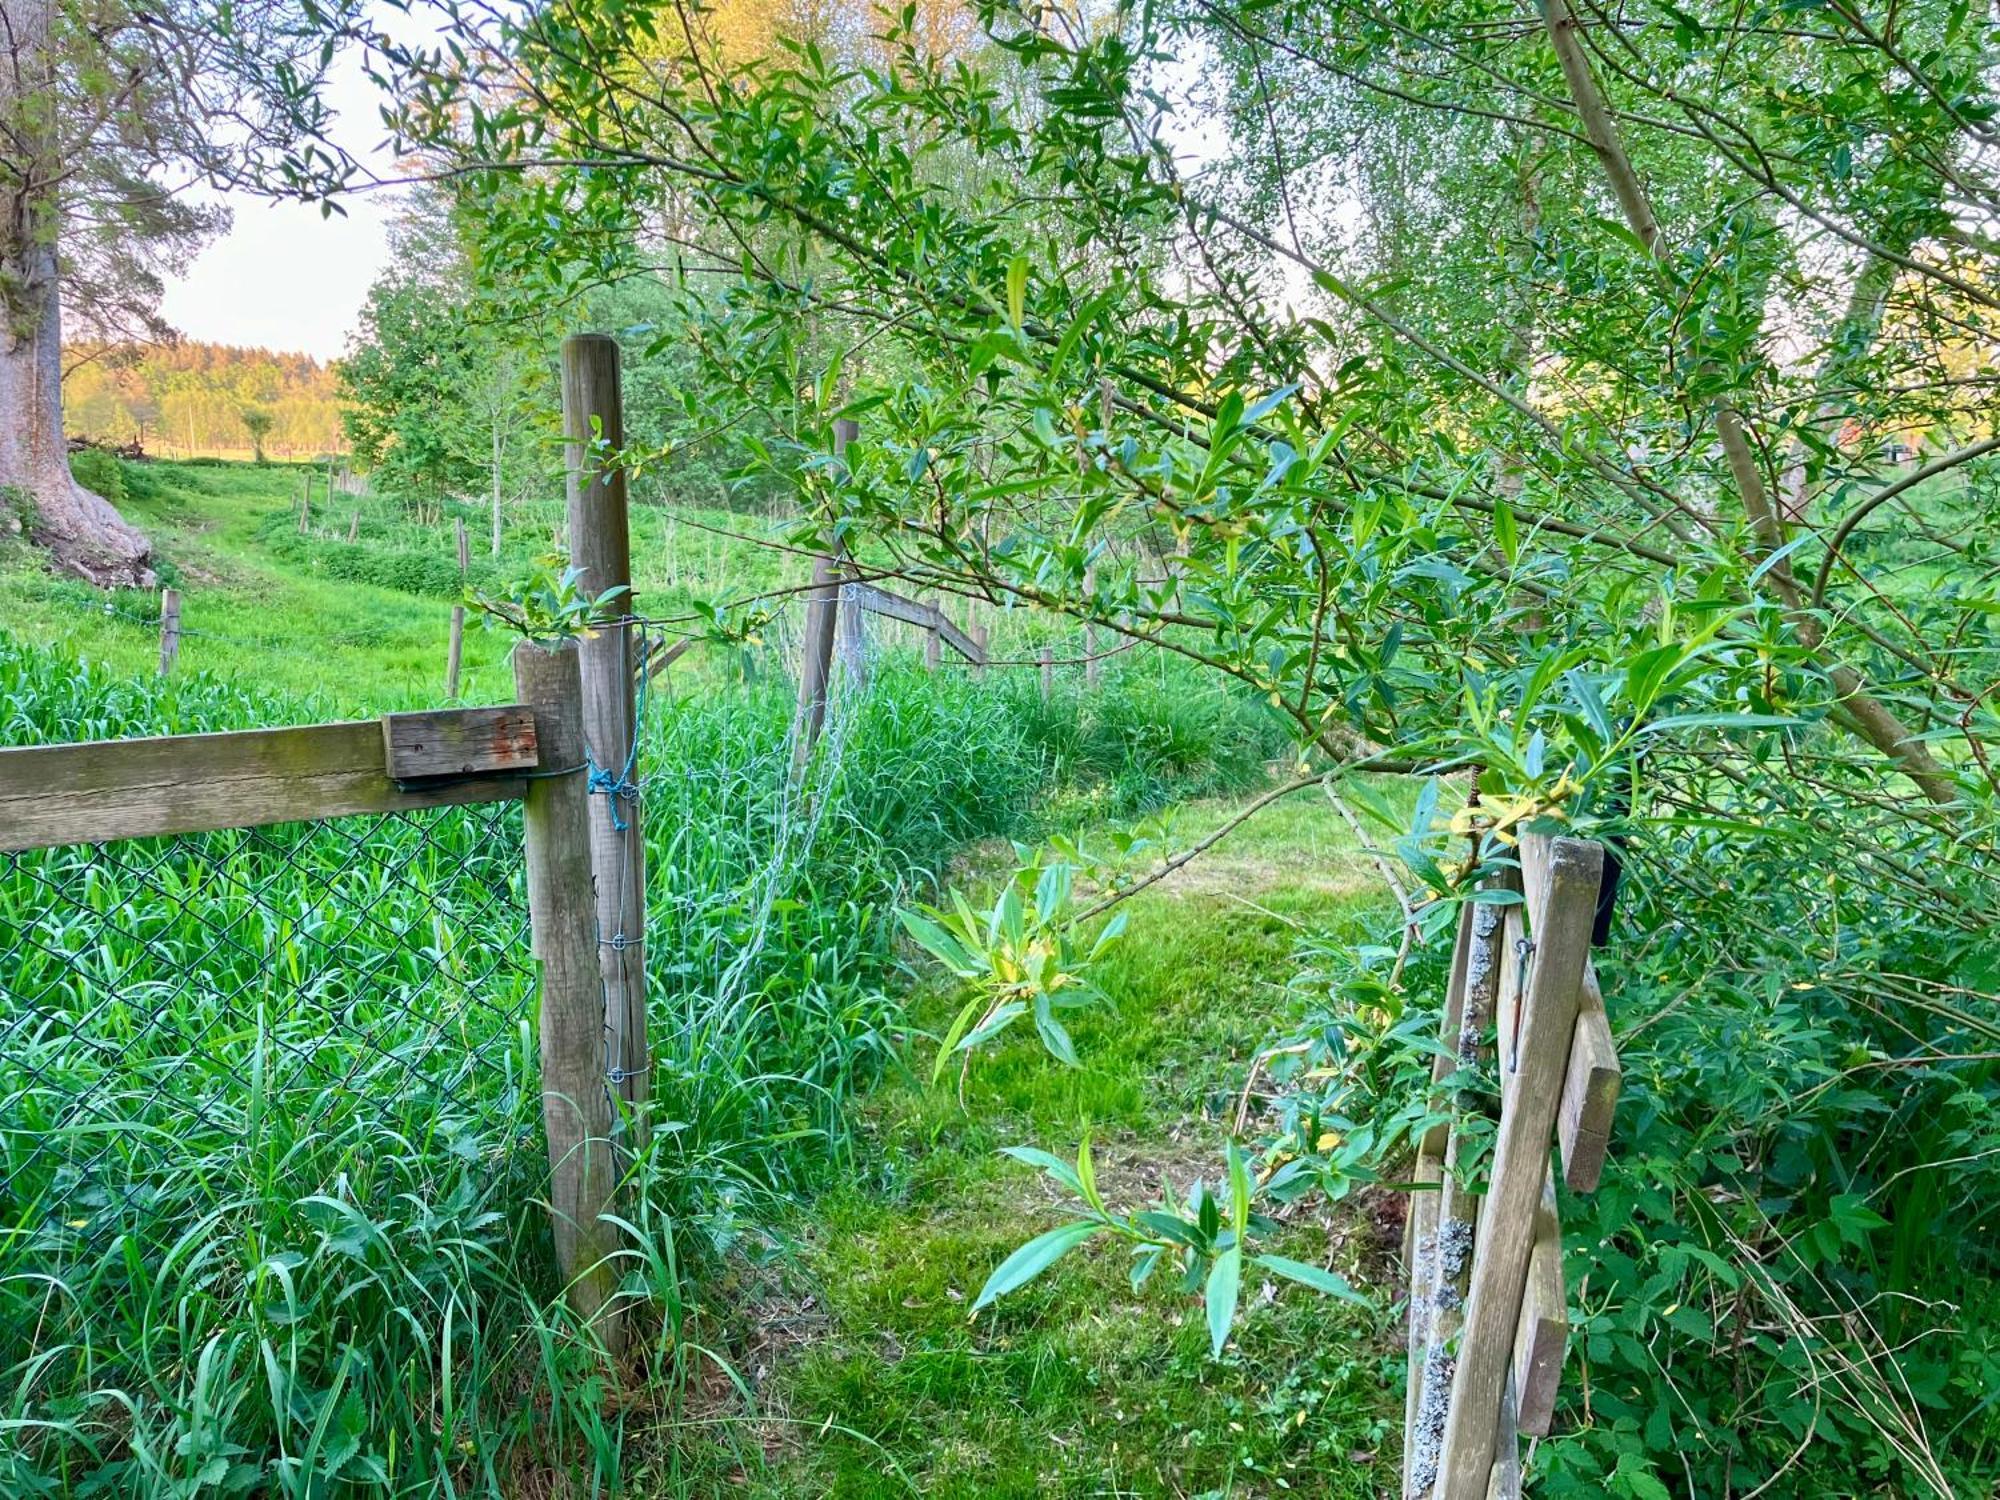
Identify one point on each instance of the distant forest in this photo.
(191, 398)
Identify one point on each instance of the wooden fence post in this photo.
(1048, 660)
(170, 629)
(601, 547)
(979, 638)
(354, 525)
(455, 651)
(305, 503)
(823, 614)
(1561, 877)
(555, 815)
(1093, 669)
(933, 649)
(849, 640)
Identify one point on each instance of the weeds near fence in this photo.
(298, 1243)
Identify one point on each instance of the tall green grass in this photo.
(291, 1242)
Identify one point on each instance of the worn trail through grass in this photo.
(860, 1372)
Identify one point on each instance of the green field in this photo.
(819, 1214)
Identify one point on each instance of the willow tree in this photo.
(109, 113)
(1520, 397)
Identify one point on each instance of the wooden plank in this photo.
(1590, 1091)
(1561, 876)
(880, 601)
(1420, 1262)
(196, 783)
(459, 741)
(1420, 1227)
(562, 914)
(1543, 1334)
(601, 550)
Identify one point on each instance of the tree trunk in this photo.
(1857, 708)
(81, 529)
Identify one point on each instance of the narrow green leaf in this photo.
(1316, 1277)
(1033, 1258)
(1225, 1283)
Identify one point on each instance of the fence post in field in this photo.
(555, 813)
(455, 651)
(933, 649)
(170, 629)
(305, 503)
(354, 525)
(979, 638)
(601, 546)
(1093, 669)
(1048, 659)
(849, 642)
(822, 618)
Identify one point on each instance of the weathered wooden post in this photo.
(933, 648)
(170, 629)
(979, 638)
(1092, 668)
(455, 651)
(1562, 876)
(305, 502)
(353, 525)
(555, 817)
(850, 641)
(601, 547)
(816, 652)
(1048, 659)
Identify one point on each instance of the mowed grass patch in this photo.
(1077, 1384)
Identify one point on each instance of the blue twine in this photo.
(602, 782)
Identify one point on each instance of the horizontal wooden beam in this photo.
(1590, 1091)
(881, 602)
(663, 656)
(459, 742)
(195, 783)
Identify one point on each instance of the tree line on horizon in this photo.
(192, 398)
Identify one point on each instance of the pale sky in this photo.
(282, 277)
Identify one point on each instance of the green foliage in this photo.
(1209, 1239)
(1023, 959)
(100, 472)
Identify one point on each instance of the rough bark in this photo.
(82, 530)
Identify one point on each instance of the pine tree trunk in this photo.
(81, 529)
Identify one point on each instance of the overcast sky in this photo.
(283, 277)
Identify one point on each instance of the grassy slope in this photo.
(871, 1381)
(282, 623)
(868, 1378)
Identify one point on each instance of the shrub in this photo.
(99, 471)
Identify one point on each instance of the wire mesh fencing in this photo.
(337, 1010)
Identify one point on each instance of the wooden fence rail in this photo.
(1487, 1312)
(531, 752)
